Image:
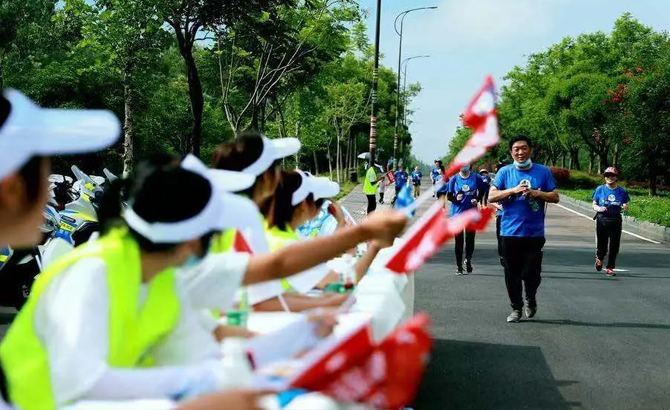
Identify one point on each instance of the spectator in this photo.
(608, 201)
(464, 191)
(416, 181)
(401, 178)
(384, 183)
(523, 189)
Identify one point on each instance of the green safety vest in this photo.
(278, 239)
(368, 187)
(132, 331)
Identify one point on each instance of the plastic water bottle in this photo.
(236, 368)
(239, 316)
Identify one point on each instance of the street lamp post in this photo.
(375, 81)
(405, 63)
(401, 16)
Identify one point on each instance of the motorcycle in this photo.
(70, 219)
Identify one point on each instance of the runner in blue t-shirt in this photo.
(401, 178)
(436, 174)
(608, 201)
(523, 189)
(464, 191)
(416, 181)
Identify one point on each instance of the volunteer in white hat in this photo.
(28, 136)
(294, 203)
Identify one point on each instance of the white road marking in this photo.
(623, 230)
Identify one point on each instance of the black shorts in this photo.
(441, 194)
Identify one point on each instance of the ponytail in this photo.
(282, 209)
(111, 205)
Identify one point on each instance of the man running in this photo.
(464, 191)
(523, 189)
(401, 178)
(416, 181)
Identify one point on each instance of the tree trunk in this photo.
(297, 135)
(128, 129)
(592, 158)
(574, 159)
(602, 166)
(615, 156)
(652, 174)
(563, 155)
(197, 100)
(316, 163)
(330, 162)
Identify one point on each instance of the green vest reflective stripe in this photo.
(223, 242)
(132, 331)
(278, 239)
(368, 187)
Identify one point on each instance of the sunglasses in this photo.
(610, 175)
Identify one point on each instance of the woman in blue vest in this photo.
(465, 191)
(609, 200)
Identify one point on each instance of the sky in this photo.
(469, 39)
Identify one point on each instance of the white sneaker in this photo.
(514, 317)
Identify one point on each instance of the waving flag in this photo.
(430, 233)
(482, 117)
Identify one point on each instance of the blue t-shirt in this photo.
(612, 199)
(470, 187)
(416, 177)
(524, 216)
(435, 174)
(401, 178)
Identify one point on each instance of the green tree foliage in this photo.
(186, 76)
(599, 94)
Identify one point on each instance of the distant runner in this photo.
(416, 181)
(608, 201)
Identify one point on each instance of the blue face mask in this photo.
(191, 261)
(524, 164)
(465, 169)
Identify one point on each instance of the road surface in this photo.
(596, 342)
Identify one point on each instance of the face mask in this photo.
(465, 169)
(524, 164)
(191, 262)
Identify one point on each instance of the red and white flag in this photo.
(430, 233)
(240, 243)
(482, 117)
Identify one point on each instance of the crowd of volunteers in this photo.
(133, 313)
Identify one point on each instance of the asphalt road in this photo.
(596, 342)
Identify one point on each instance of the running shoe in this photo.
(468, 266)
(599, 264)
(459, 270)
(514, 317)
(530, 311)
(610, 273)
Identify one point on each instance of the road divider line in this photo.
(623, 230)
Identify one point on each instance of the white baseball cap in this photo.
(30, 131)
(227, 181)
(319, 187)
(223, 210)
(273, 149)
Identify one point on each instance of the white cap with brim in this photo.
(30, 131)
(227, 181)
(319, 187)
(223, 210)
(273, 149)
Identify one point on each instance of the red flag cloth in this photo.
(482, 117)
(430, 233)
(388, 375)
(240, 243)
(390, 177)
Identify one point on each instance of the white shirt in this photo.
(72, 321)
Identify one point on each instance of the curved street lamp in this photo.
(401, 16)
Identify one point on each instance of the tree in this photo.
(189, 19)
(128, 39)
